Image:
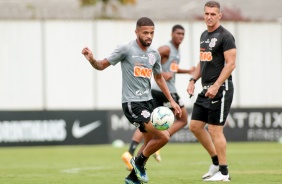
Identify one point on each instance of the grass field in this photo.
(101, 164)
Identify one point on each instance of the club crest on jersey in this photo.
(212, 43)
(152, 59)
(145, 113)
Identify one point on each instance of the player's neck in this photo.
(213, 28)
(175, 44)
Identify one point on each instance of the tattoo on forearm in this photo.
(95, 64)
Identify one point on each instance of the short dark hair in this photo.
(177, 26)
(213, 4)
(144, 21)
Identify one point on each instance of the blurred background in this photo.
(49, 91)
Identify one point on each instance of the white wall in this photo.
(42, 68)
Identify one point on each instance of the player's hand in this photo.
(87, 53)
(191, 88)
(211, 92)
(177, 109)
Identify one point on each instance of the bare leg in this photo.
(203, 136)
(137, 136)
(153, 139)
(126, 156)
(219, 142)
(179, 123)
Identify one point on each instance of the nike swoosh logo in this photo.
(78, 131)
(214, 102)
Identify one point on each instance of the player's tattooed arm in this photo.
(98, 65)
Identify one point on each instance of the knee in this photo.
(196, 127)
(212, 132)
(165, 138)
(184, 122)
(193, 128)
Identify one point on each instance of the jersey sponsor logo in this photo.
(140, 93)
(142, 72)
(173, 67)
(138, 64)
(142, 57)
(205, 56)
(145, 113)
(152, 59)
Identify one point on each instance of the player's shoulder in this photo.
(225, 31)
(152, 49)
(204, 34)
(125, 46)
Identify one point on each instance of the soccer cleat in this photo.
(212, 170)
(219, 177)
(157, 156)
(131, 181)
(139, 171)
(126, 156)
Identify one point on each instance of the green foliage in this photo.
(88, 2)
(250, 163)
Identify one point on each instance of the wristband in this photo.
(192, 79)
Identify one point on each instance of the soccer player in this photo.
(138, 62)
(170, 59)
(217, 61)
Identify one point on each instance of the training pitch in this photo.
(102, 164)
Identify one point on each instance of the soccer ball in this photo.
(162, 118)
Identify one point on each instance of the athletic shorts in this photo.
(159, 99)
(213, 111)
(138, 113)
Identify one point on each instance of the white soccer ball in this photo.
(118, 143)
(162, 118)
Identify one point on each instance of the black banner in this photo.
(27, 128)
(243, 124)
(53, 128)
(254, 124)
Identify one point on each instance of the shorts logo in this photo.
(152, 59)
(136, 125)
(167, 104)
(213, 102)
(145, 113)
(142, 72)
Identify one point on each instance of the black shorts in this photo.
(159, 99)
(138, 113)
(213, 111)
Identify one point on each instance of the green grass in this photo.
(102, 164)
